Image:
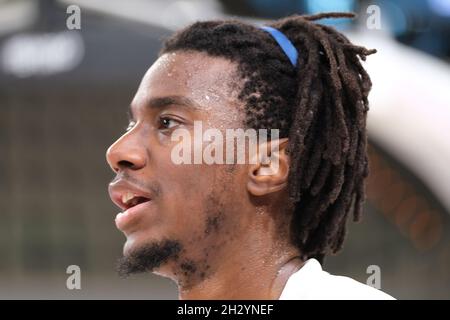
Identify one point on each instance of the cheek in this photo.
(184, 188)
(187, 187)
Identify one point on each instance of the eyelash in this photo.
(161, 124)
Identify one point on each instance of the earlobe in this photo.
(270, 176)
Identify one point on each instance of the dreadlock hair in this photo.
(320, 105)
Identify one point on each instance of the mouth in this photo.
(129, 200)
(128, 220)
(133, 203)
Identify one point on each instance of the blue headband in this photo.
(284, 43)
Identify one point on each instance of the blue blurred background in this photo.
(63, 99)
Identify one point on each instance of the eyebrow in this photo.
(162, 102)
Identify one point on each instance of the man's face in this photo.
(187, 214)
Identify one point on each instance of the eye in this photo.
(167, 123)
(130, 126)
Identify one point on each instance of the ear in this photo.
(270, 170)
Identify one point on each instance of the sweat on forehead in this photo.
(191, 74)
(208, 83)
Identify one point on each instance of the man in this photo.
(258, 229)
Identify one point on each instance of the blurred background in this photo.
(63, 100)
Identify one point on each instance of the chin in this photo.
(150, 255)
(136, 241)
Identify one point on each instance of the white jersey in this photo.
(312, 283)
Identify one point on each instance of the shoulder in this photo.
(311, 282)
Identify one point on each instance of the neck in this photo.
(254, 267)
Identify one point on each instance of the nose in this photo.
(126, 153)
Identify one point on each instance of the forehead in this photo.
(210, 82)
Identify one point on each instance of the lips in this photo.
(126, 195)
(132, 200)
(129, 200)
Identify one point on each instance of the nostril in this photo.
(125, 164)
